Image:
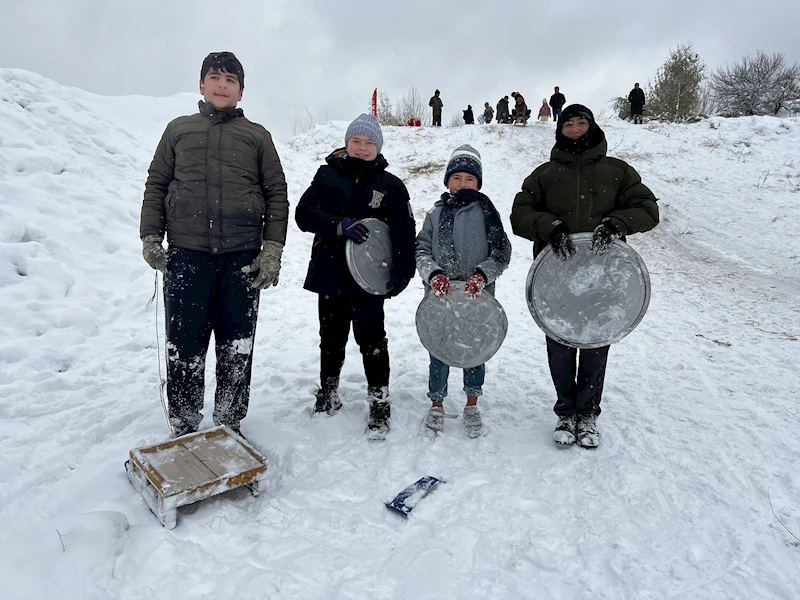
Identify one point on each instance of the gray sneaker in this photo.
(435, 419)
(473, 422)
(565, 430)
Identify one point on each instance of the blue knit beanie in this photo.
(465, 159)
(368, 126)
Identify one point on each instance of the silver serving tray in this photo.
(461, 332)
(370, 262)
(590, 300)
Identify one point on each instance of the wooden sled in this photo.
(194, 467)
(521, 122)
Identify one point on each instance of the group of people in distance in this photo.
(217, 190)
(520, 113)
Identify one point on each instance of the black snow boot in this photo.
(379, 413)
(328, 396)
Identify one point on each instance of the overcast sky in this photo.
(327, 57)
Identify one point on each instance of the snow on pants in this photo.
(437, 380)
(205, 293)
(366, 315)
(582, 395)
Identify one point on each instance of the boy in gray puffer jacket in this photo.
(462, 239)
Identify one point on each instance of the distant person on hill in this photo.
(354, 185)
(217, 189)
(436, 103)
(503, 116)
(636, 98)
(557, 101)
(462, 239)
(544, 110)
(488, 112)
(580, 190)
(469, 118)
(520, 111)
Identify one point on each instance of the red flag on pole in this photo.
(375, 103)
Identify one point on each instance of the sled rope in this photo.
(162, 380)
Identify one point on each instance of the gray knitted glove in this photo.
(153, 252)
(267, 264)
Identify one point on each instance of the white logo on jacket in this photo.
(377, 197)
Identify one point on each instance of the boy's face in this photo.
(575, 127)
(221, 89)
(360, 146)
(462, 181)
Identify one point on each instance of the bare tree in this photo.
(757, 85)
(675, 96)
(302, 123)
(412, 107)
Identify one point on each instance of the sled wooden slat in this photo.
(194, 467)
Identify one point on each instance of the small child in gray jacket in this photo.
(462, 239)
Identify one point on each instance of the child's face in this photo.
(221, 89)
(462, 181)
(575, 127)
(360, 146)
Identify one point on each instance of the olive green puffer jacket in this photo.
(215, 184)
(581, 190)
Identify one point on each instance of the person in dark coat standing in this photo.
(354, 185)
(216, 188)
(469, 117)
(502, 110)
(636, 98)
(557, 101)
(436, 104)
(580, 190)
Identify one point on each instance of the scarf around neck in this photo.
(499, 246)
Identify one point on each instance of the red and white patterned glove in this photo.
(440, 285)
(474, 286)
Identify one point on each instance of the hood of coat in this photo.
(588, 156)
(339, 160)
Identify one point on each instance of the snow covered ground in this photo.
(701, 410)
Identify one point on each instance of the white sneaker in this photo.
(565, 430)
(473, 422)
(587, 434)
(435, 419)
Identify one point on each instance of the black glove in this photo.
(395, 286)
(354, 230)
(604, 235)
(561, 243)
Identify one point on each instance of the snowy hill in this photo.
(700, 420)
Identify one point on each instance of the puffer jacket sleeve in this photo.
(529, 215)
(162, 170)
(639, 209)
(273, 184)
(426, 265)
(309, 214)
(403, 231)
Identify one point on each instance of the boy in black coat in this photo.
(355, 185)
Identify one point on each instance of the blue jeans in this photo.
(437, 380)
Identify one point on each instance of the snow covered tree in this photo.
(758, 85)
(386, 114)
(675, 95)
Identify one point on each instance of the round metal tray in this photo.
(590, 300)
(461, 332)
(370, 262)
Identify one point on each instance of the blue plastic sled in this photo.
(406, 500)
